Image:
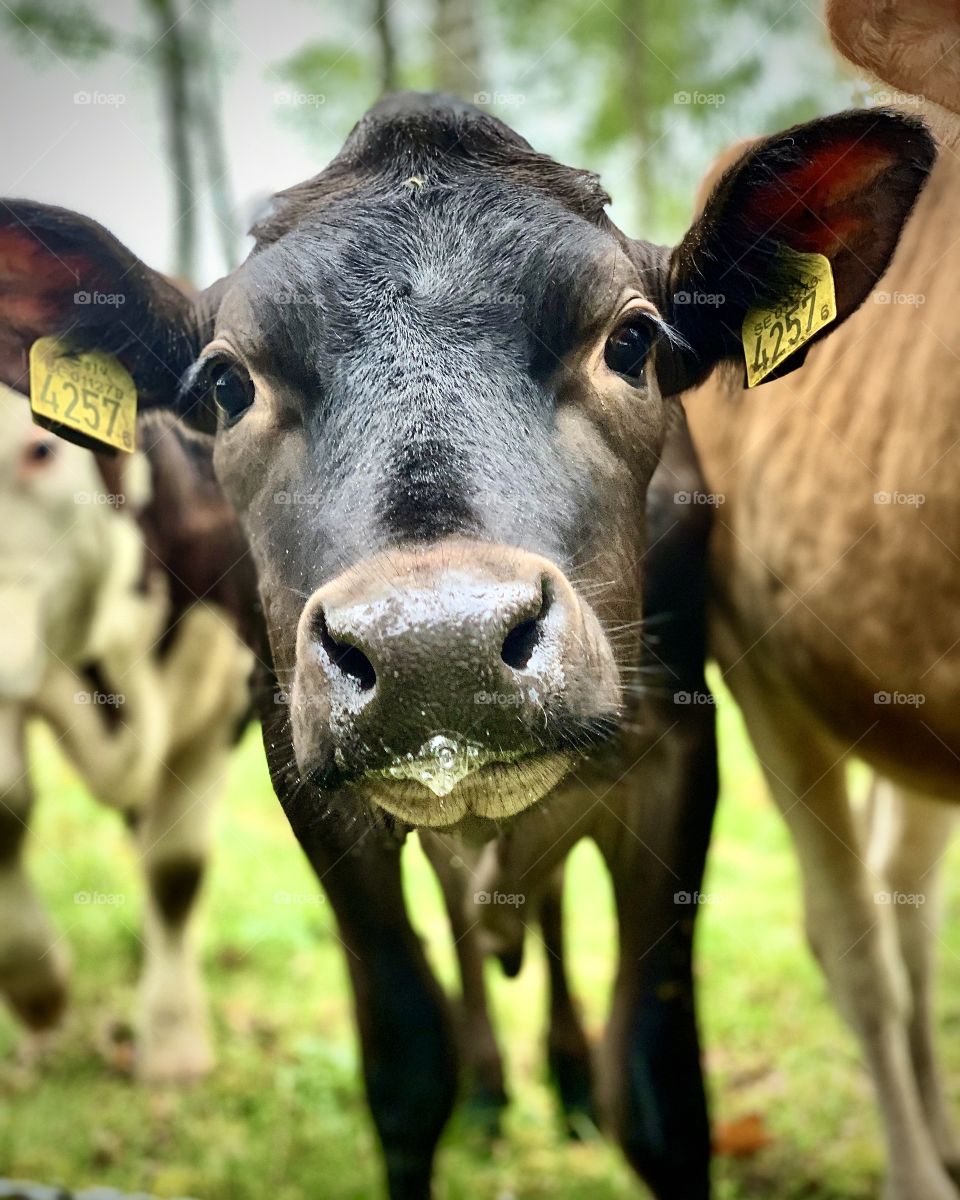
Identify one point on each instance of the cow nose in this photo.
(486, 647)
(441, 647)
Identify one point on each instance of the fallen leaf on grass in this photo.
(741, 1137)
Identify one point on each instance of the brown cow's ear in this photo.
(842, 187)
(64, 275)
(912, 45)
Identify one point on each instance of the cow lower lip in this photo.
(496, 790)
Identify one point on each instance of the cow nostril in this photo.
(521, 641)
(350, 660)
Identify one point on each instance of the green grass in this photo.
(283, 1117)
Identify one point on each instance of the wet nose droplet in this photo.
(441, 763)
(446, 756)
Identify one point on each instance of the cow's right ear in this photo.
(912, 45)
(840, 187)
(63, 275)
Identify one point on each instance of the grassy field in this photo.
(283, 1117)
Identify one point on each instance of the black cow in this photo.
(439, 389)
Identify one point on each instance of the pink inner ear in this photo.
(36, 284)
(25, 312)
(818, 203)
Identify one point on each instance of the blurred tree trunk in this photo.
(388, 51)
(208, 113)
(637, 62)
(456, 46)
(171, 55)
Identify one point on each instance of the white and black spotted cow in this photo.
(143, 686)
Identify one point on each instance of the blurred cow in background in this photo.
(143, 691)
(836, 603)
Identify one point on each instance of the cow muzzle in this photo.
(460, 679)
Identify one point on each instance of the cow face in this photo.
(439, 387)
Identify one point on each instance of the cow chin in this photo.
(493, 792)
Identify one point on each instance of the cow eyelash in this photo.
(204, 373)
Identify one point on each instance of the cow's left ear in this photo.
(842, 187)
(63, 275)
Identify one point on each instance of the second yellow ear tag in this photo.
(771, 334)
(90, 393)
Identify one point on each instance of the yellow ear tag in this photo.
(90, 393)
(772, 334)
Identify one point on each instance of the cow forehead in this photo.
(437, 227)
(489, 264)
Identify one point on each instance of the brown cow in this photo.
(836, 613)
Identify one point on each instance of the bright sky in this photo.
(90, 137)
(106, 157)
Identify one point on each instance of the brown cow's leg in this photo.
(33, 961)
(568, 1051)
(407, 1038)
(654, 839)
(909, 838)
(852, 935)
(483, 1065)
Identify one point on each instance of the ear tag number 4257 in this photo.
(773, 333)
(89, 393)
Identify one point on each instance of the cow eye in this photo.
(627, 349)
(39, 453)
(233, 392)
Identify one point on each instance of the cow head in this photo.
(438, 389)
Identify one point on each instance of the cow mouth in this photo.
(451, 783)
